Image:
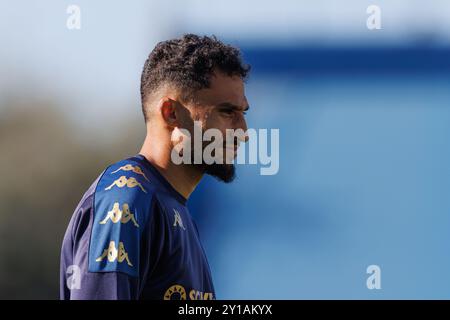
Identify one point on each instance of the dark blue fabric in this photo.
(132, 237)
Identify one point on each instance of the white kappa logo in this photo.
(178, 221)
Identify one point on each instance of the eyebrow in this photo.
(233, 106)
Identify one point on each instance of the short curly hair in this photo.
(188, 63)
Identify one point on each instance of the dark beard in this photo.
(222, 172)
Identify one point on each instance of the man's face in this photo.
(222, 106)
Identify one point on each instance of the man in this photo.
(132, 236)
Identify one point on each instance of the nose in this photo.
(243, 125)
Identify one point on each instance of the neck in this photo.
(183, 178)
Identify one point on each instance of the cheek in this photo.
(220, 124)
(214, 120)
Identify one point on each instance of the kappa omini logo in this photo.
(176, 290)
(112, 253)
(135, 169)
(177, 220)
(116, 215)
(124, 181)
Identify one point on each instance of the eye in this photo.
(227, 111)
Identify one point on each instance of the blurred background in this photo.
(364, 119)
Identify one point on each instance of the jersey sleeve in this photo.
(126, 236)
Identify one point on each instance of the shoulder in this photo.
(125, 182)
(122, 207)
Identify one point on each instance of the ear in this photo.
(168, 112)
